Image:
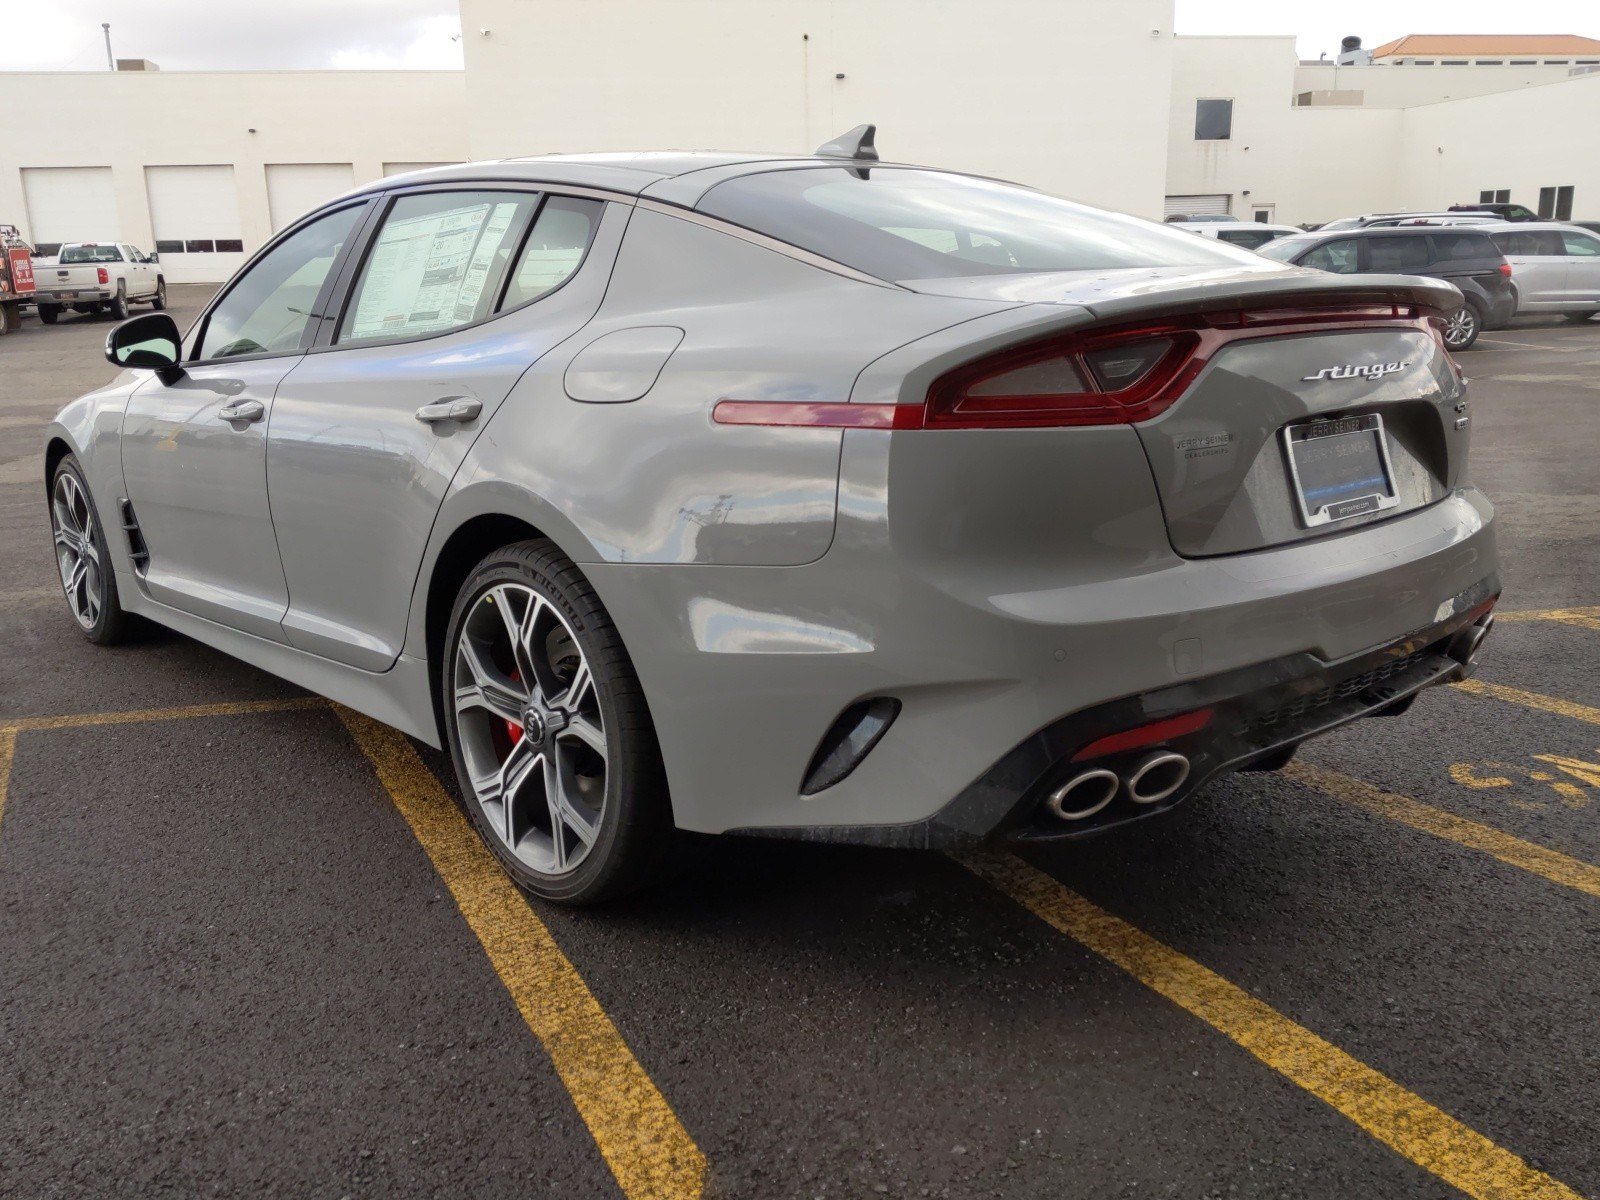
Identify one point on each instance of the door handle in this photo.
(242, 410)
(451, 408)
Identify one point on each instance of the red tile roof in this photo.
(1491, 45)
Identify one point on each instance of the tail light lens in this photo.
(1505, 269)
(104, 277)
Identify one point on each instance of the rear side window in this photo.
(903, 224)
(436, 264)
(1581, 245)
(1464, 247)
(1340, 256)
(1531, 243)
(1397, 255)
(555, 247)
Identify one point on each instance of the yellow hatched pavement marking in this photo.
(1399, 1119)
(1549, 704)
(643, 1142)
(1528, 856)
(8, 750)
(1584, 618)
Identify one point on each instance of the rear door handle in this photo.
(242, 410)
(451, 408)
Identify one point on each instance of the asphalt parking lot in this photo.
(248, 946)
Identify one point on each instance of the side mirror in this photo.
(152, 258)
(149, 342)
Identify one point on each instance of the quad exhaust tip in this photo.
(1085, 794)
(1157, 777)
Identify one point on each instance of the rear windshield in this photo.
(83, 254)
(902, 224)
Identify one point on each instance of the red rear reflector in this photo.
(818, 415)
(104, 278)
(1146, 735)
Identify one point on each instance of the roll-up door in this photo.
(294, 189)
(1207, 206)
(70, 204)
(195, 214)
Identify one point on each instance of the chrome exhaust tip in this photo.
(1466, 644)
(1157, 777)
(1084, 794)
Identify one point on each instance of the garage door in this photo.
(1183, 206)
(70, 204)
(294, 189)
(402, 168)
(195, 214)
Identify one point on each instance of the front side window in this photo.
(267, 309)
(555, 247)
(90, 254)
(1341, 257)
(1213, 120)
(1397, 255)
(906, 224)
(1581, 245)
(436, 264)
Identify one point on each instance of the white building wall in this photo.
(1398, 87)
(1067, 95)
(128, 121)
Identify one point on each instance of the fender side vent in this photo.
(137, 550)
(848, 740)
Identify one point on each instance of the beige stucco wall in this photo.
(1066, 95)
(128, 121)
(1399, 87)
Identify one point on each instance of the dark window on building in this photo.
(1423, 62)
(200, 246)
(1495, 196)
(1524, 62)
(1555, 203)
(169, 247)
(230, 246)
(1452, 62)
(1213, 120)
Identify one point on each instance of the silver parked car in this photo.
(1555, 267)
(813, 497)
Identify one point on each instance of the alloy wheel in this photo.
(72, 522)
(530, 729)
(1460, 327)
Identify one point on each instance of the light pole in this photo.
(111, 63)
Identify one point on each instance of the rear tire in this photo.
(159, 300)
(1462, 327)
(10, 318)
(83, 558)
(562, 777)
(119, 306)
(49, 313)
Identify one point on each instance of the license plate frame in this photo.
(1346, 499)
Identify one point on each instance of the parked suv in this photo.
(1556, 267)
(1463, 255)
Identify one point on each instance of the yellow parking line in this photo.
(1584, 618)
(646, 1146)
(1529, 856)
(1549, 704)
(231, 709)
(1401, 1120)
(8, 750)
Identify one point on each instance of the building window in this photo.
(1488, 62)
(1213, 120)
(1452, 62)
(169, 247)
(1495, 196)
(1524, 62)
(1556, 62)
(1555, 203)
(1421, 62)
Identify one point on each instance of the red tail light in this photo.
(101, 272)
(1111, 375)
(1505, 269)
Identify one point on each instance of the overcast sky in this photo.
(355, 34)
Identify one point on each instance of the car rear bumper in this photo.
(747, 669)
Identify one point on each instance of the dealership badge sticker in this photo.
(1352, 371)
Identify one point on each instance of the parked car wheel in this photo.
(119, 306)
(83, 558)
(10, 318)
(1580, 318)
(1461, 328)
(549, 732)
(49, 313)
(159, 301)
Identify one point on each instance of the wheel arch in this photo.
(55, 450)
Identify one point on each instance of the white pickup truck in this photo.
(94, 277)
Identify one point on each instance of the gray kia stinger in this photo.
(814, 497)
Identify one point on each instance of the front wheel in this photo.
(83, 558)
(159, 300)
(1462, 327)
(549, 732)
